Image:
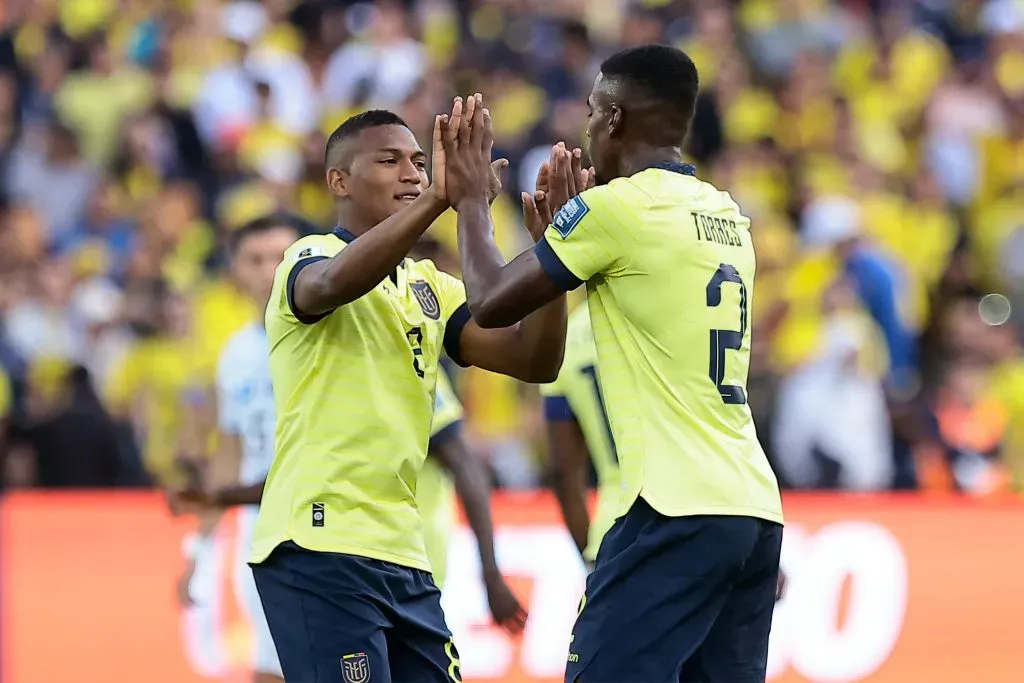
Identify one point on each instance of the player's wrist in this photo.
(473, 201)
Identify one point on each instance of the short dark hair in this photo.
(354, 125)
(665, 74)
(265, 224)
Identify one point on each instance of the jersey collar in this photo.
(343, 234)
(676, 167)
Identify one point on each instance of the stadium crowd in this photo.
(878, 147)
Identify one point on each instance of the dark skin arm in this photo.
(474, 489)
(568, 453)
(326, 285)
(530, 347)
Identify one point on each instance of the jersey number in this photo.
(415, 337)
(591, 372)
(721, 340)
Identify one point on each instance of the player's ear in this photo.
(337, 182)
(616, 121)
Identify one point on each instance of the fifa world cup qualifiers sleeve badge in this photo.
(427, 299)
(570, 215)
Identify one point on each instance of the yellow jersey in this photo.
(435, 491)
(669, 268)
(354, 397)
(576, 396)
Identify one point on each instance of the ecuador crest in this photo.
(427, 299)
(355, 668)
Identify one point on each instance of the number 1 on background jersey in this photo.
(721, 340)
(591, 372)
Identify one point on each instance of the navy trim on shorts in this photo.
(553, 266)
(290, 287)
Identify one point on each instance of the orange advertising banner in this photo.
(883, 589)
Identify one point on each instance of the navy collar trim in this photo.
(343, 234)
(676, 167)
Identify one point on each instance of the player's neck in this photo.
(353, 222)
(645, 157)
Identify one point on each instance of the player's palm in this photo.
(468, 138)
(505, 608)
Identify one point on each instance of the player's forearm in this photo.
(541, 337)
(362, 265)
(230, 496)
(572, 501)
(474, 490)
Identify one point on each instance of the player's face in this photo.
(388, 171)
(257, 259)
(603, 125)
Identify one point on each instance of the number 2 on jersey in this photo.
(721, 340)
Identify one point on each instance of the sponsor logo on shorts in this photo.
(426, 298)
(318, 514)
(355, 668)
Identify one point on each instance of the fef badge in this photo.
(426, 298)
(355, 668)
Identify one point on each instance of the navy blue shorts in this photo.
(678, 600)
(347, 619)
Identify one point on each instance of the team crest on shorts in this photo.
(355, 668)
(426, 298)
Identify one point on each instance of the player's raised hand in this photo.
(437, 165)
(561, 181)
(505, 608)
(536, 214)
(467, 150)
(498, 169)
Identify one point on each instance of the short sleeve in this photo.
(592, 234)
(451, 294)
(303, 253)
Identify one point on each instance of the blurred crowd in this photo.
(878, 147)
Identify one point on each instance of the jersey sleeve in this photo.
(303, 253)
(451, 294)
(447, 409)
(592, 234)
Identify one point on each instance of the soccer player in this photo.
(356, 331)
(578, 431)
(685, 580)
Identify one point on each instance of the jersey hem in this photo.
(369, 553)
(723, 510)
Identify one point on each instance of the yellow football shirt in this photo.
(354, 396)
(435, 491)
(576, 395)
(669, 268)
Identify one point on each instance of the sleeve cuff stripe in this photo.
(557, 409)
(453, 333)
(555, 269)
(296, 269)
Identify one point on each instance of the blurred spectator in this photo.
(66, 438)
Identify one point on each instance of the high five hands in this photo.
(463, 143)
(462, 146)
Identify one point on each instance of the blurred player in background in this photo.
(685, 582)
(245, 414)
(578, 433)
(356, 331)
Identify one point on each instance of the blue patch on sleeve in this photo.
(570, 215)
